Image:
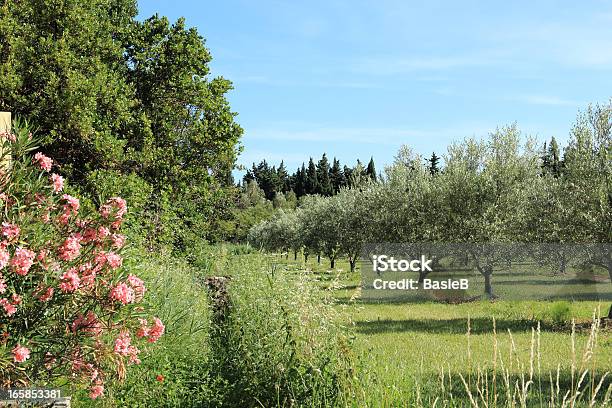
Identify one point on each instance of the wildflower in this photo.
(71, 248)
(43, 161)
(123, 293)
(20, 353)
(159, 378)
(96, 391)
(70, 281)
(10, 231)
(22, 261)
(58, 182)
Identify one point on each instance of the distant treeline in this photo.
(319, 178)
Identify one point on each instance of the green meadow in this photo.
(414, 353)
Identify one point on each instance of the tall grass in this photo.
(512, 378)
(283, 343)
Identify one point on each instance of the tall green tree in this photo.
(325, 185)
(371, 169)
(312, 181)
(434, 162)
(123, 100)
(283, 178)
(336, 176)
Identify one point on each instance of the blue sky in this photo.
(360, 78)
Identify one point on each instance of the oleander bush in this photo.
(69, 310)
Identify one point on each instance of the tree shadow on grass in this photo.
(451, 326)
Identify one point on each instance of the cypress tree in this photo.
(336, 176)
(555, 157)
(283, 178)
(324, 187)
(312, 182)
(371, 170)
(433, 164)
(348, 173)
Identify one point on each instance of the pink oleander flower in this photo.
(89, 235)
(115, 261)
(20, 353)
(72, 203)
(138, 285)
(133, 353)
(42, 161)
(15, 299)
(96, 391)
(22, 261)
(118, 240)
(103, 232)
(143, 330)
(9, 136)
(10, 231)
(122, 344)
(9, 308)
(114, 202)
(71, 248)
(3, 285)
(57, 182)
(4, 258)
(123, 293)
(70, 281)
(156, 331)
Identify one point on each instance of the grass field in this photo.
(409, 349)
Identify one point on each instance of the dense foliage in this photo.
(127, 107)
(68, 308)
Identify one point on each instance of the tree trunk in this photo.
(295, 255)
(332, 263)
(422, 276)
(352, 262)
(319, 259)
(488, 287)
(562, 266)
(305, 256)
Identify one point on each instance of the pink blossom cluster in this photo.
(70, 248)
(70, 281)
(42, 161)
(22, 261)
(10, 231)
(68, 264)
(151, 333)
(57, 182)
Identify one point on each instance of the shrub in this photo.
(282, 343)
(69, 310)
